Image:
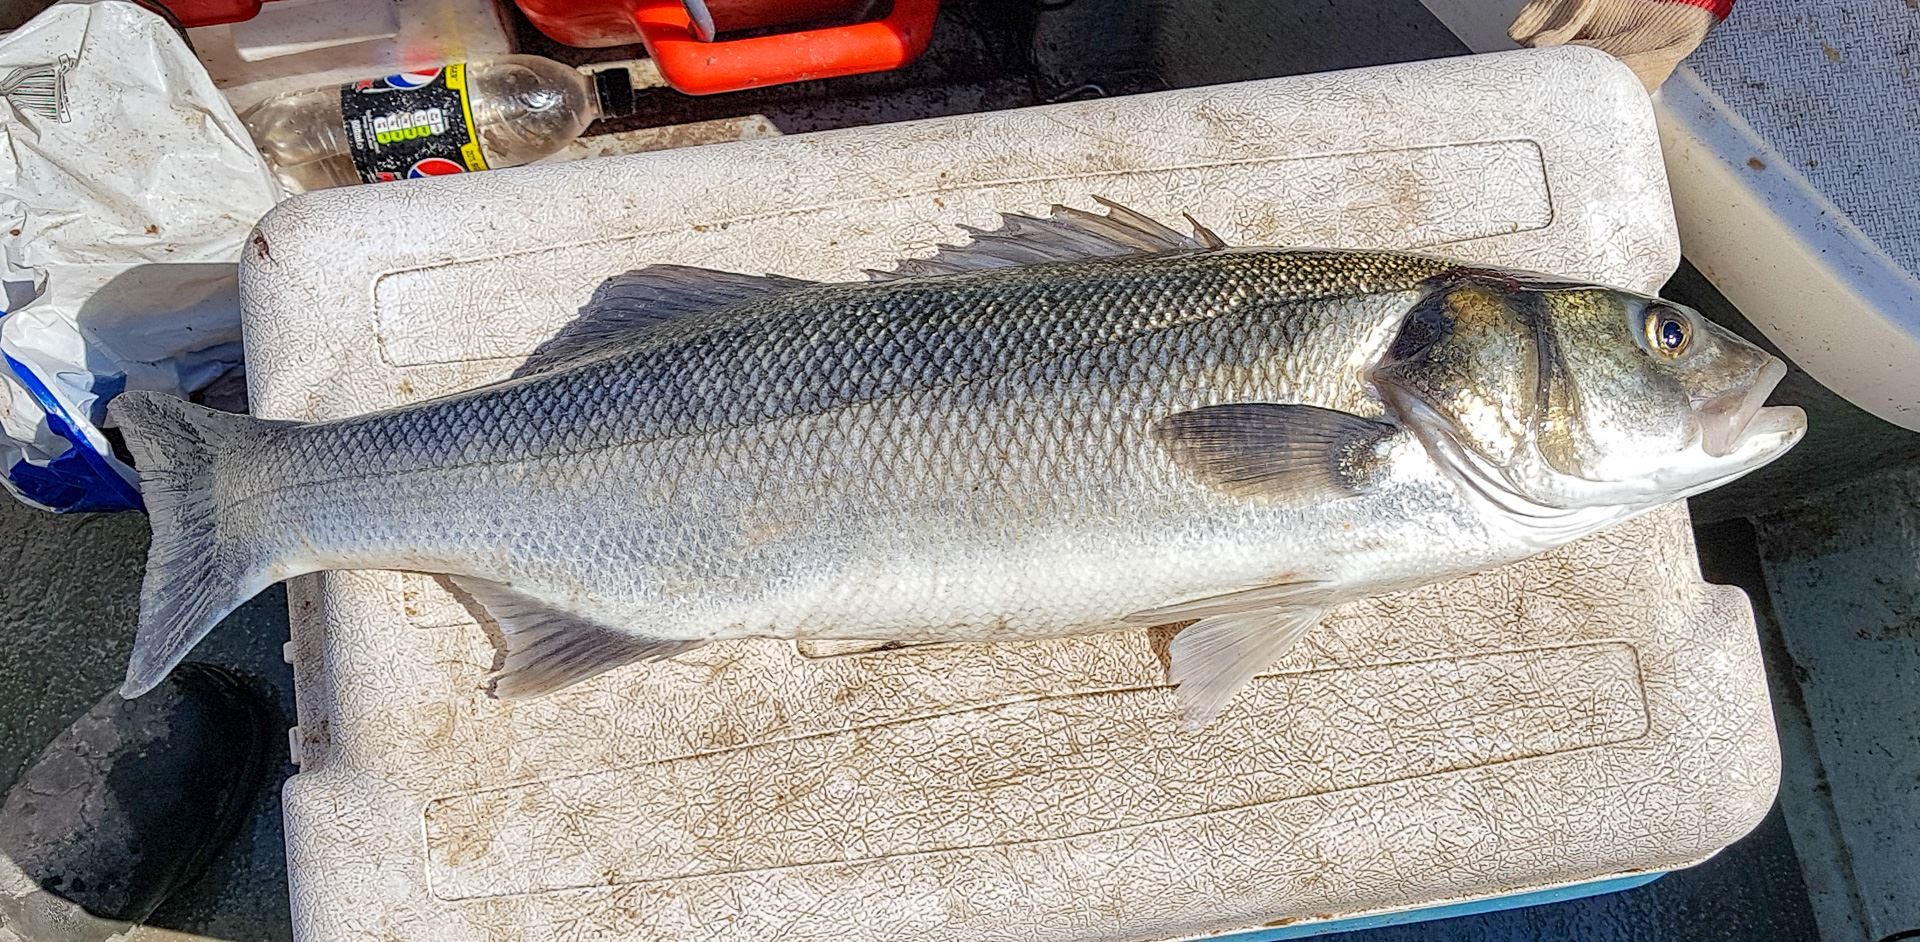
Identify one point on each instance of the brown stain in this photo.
(316, 738)
(1160, 641)
(719, 666)
(676, 136)
(410, 601)
(830, 648)
(1755, 163)
(1833, 55)
(438, 727)
(843, 695)
(1406, 197)
(152, 229)
(463, 840)
(405, 386)
(1310, 917)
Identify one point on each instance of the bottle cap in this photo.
(614, 87)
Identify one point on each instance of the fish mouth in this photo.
(1728, 419)
(1772, 432)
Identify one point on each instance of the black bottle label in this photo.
(414, 124)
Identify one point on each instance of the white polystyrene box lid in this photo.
(1792, 135)
(1594, 712)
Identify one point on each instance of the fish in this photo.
(1079, 422)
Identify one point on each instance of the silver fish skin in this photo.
(1074, 425)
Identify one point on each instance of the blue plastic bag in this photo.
(127, 190)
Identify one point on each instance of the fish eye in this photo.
(1668, 331)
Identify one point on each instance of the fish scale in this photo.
(966, 450)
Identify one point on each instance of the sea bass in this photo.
(1072, 424)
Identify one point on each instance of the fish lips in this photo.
(1739, 433)
(1766, 436)
(1729, 419)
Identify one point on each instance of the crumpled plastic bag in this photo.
(128, 188)
(1650, 36)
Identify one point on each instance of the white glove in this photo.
(1650, 36)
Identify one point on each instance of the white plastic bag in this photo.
(127, 190)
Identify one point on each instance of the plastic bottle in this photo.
(499, 112)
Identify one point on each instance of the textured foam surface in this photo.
(1593, 712)
(1834, 86)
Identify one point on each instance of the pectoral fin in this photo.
(1264, 449)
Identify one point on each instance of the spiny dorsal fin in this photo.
(548, 649)
(1264, 449)
(1067, 234)
(627, 306)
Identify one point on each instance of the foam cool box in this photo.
(1591, 715)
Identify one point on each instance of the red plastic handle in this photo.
(700, 68)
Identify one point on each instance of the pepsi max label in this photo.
(414, 124)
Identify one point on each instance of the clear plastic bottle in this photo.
(499, 112)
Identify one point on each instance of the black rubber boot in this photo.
(129, 804)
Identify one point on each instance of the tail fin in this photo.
(196, 574)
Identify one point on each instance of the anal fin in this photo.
(548, 649)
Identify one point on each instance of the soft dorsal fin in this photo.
(630, 304)
(1065, 235)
